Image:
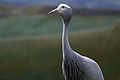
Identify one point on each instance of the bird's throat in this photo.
(65, 42)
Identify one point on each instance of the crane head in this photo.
(63, 9)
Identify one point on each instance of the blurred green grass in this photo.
(43, 25)
(39, 58)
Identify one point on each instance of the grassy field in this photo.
(25, 54)
(44, 25)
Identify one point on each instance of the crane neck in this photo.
(65, 42)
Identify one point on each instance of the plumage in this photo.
(74, 65)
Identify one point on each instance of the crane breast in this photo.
(81, 68)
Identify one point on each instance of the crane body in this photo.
(74, 65)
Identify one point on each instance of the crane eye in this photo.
(63, 6)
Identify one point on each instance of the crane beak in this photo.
(53, 11)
